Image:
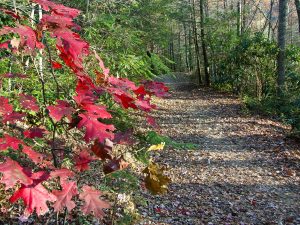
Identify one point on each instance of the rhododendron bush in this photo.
(59, 115)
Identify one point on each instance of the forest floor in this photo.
(244, 170)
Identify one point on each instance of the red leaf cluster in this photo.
(85, 113)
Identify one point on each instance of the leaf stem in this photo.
(53, 145)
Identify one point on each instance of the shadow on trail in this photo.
(226, 203)
(255, 142)
(241, 172)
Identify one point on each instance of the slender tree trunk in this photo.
(179, 50)
(190, 47)
(206, 6)
(149, 53)
(282, 24)
(290, 26)
(87, 7)
(203, 41)
(270, 18)
(244, 19)
(186, 47)
(297, 4)
(173, 54)
(196, 42)
(239, 18)
(41, 66)
(170, 54)
(259, 86)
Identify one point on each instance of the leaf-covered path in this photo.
(245, 171)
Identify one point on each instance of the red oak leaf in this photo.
(28, 39)
(67, 58)
(69, 189)
(57, 112)
(140, 90)
(83, 99)
(94, 128)
(11, 13)
(13, 173)
(83, 88)
(5, 44)
(72, 49)
(82, 160)
(102, 150)
(34, 132)
(39, 176)
(29, 102)
(123, 83)
(56, 65)
(115, 165)
(13, 117)
(156, 88)
(35, 197)
(85, 82)
(117, 91)
(64, 174)
(125, 100)
(5, 107)
(92, 203)
(58, 8)
(125, 138)
(97, 110)
(57, 22)
(33, 155)
(143, 104)
(10, 142)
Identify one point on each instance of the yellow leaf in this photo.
(155, 181)
(157, 147)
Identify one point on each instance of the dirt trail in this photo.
(244, 171)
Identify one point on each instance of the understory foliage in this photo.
(58, 117)
(234, 46)
(246, 65)
(249, 69)
(129, 34)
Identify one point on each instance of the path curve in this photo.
(245, 171)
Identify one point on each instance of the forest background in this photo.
(249, 48)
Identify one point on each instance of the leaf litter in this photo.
(243, 171)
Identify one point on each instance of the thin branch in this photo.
(51, 68)
(42, 83)
(53, 145)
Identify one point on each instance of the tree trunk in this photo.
(87, 7)
(258, 86)
(173, 54)
(244, 19)
(203, 41)
(239, 18)
(179, 50)
(270, 18)
(186, 48)
(196, 42)
(297, 3)
(282, 23)
(190, 47)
